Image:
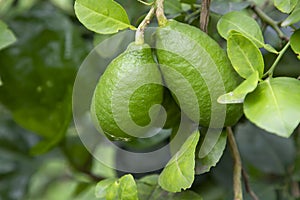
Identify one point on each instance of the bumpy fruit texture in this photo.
(129, 87)
(194, 65)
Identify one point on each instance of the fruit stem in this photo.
(264, 17)
(272, 68)
(237, 169)
(160, 15)
(140, 33)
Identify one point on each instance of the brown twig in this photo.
(204, 16)
(237, 169)
(247, 186)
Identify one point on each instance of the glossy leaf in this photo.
(223, 7)
(6, 36)
(274, 105)
(245, 57)
(269, 153)
(295, 42)
(172, 6)
(179, 171)
(43, 75)
(238, 95)
(284, 5)
(294, 17)
(212, 158)
(105, 17)
(242, 23)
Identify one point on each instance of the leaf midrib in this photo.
(276, 104)
(104, 16)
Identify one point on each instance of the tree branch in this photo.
(264, 17)
(247, 186)
(237, 169)
(204, 16)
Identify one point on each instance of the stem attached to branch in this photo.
(263, 16)
(237, 169)
(281, 53)
(139, 35)
(204, 16)
(160, 15)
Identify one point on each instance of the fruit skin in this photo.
(129, 69)
(190, 52)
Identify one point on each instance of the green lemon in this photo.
(125, 97)
(194, 65)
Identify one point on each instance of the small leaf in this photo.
(238, 95)
(179, 172)
(6, 36)
(242, 23)
(274, 105)
(105, 17)
(102, 186)
(294, 17)
(212, 158)
(245, 57)
(223, 7)
(295, 43)
(284, 5)
(125, 188)
(114, 189)
(172, 6)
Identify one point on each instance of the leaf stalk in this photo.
(272, 68)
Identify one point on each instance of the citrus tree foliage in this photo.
(252, 47)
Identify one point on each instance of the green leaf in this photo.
(172, 6)
(295, 43)
(114, 189)
(285, 6)
(42, 77)
(17, 166)
(245, 57)
(223, 7)
(238, 95)
(268, 153)
(294, 17)
(6, 36)
(105, 17)
(179, 171)
(125, 188)
(240, 22)
(102, 186)
(212, 158)
(274, 105)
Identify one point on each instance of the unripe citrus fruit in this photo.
(126, 92)
(190, 58)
